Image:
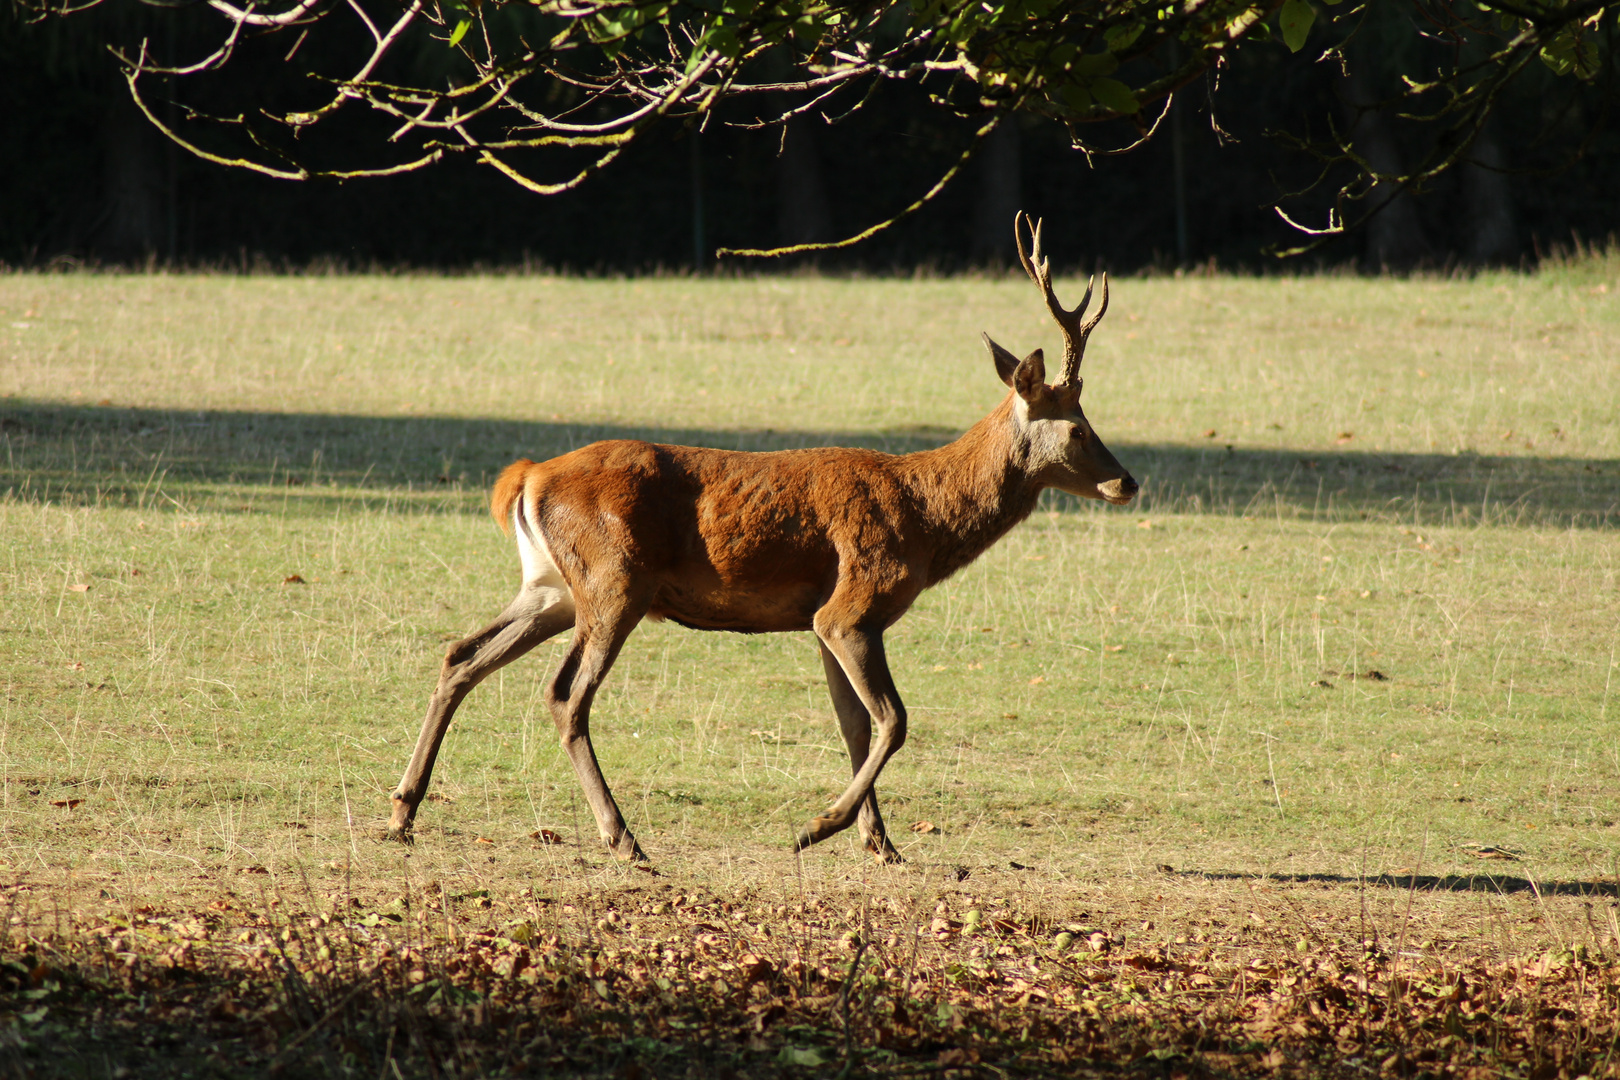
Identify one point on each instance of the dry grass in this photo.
(194, 749)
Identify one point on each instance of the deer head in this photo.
(1060, 448)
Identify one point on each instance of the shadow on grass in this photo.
(1491, 883)
(80, 455)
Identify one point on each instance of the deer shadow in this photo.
(1505, 884)
(115, 456)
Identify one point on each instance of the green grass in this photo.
(1419, 478)
(1177, 642)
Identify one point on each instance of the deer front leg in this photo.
(536, 614)
(859, 656)
(856, 725)
(594, 649)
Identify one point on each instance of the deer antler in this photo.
(1039, 269)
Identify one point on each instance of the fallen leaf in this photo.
(1210, 434)
(1344, 437)
(253, 870)
(1037, 680)
(1115, 648)
(755, 969)
(1144, 524)
(924, 827)
(78, 588)
(434, 796)
(546, 836)
(645, 869)
(483, 840)
(66, 804)
(294, 579)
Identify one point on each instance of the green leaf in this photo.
(1572, 52)
(1116, 95)
(1074, 97)
(1121, 37)
(1586, 60)
(1096, 64)
(1295, 21)
(460, 32)
(1560, 57)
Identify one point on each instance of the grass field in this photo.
(1329, 704)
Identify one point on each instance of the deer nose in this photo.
(1119, 491)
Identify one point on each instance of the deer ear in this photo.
(1006, 362)
(1030, 378)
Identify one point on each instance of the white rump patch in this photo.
(541, 578)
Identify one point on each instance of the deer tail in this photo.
(508, 490)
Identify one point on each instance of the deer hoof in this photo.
(884, 852)
(627, 850)
(399, 822)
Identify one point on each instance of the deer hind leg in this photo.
(856, 724)
(596, 645)
(860, 657)
(543, 608)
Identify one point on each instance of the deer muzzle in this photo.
(1120, 491)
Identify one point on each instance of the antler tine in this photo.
(1091, 323)
(1039, 269)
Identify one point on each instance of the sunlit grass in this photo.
(1106, 691)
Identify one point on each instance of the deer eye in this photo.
(1078, 433)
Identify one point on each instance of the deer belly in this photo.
(751, 609)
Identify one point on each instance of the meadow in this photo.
(1302, 763)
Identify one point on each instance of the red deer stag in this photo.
(832, 540)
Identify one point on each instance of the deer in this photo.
(833, 540)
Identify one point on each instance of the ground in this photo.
(1301, 764)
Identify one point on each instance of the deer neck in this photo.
(972, 491)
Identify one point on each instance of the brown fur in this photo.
(758, 542)
(508, 486)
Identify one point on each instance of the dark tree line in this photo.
(93, 179)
